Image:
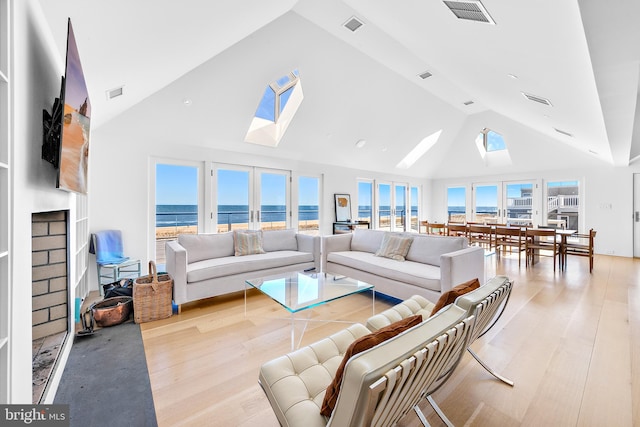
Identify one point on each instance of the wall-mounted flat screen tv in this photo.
(76, 118)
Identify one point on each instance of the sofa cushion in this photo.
(450, 296)
(415, 273)
(394, 246)
(221, 267)
(206, 246)
(427, 249)
(247, 242)
(358, 346)
(366, 240)
(280, 240)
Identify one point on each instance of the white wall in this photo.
(36, 75)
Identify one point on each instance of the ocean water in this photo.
(180, 215)
(184, 215)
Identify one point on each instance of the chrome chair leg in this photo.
(491, 371)
(421, 416)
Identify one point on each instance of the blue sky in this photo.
(178, 185)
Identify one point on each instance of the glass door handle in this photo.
(637, 216)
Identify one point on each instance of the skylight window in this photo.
(492, 148)
(419, 150)
(279, 103)
(492, 141)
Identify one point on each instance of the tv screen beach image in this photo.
(74, 150)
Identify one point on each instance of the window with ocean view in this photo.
(456, 204)
(232, 199)
(415, 203)
(365, 198)
(176, 204)
(485, 203)
(251, 198)
(308, 207)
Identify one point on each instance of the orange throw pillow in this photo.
(450, 296)
(359, 345)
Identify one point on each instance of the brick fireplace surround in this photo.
(50, 311)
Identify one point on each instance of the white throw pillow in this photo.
(394, 246)
(247, 242)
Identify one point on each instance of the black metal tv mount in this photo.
(52, 130)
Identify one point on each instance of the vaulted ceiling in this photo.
(582, 56)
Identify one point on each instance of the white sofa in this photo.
(204, 265)
(433, 265)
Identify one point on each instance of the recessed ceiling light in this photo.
(425, 75)
(468, 103)
(593, 152)
(187, 102)
(361, 143)
(513, 76)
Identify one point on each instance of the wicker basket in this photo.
(152, 295)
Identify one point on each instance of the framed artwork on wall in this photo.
(343, 207)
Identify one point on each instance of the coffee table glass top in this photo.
(297, 291)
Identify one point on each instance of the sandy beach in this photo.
(74, 152)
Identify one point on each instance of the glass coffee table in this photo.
(299, 291)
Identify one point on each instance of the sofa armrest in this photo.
(334, 243)
(308, 243)
(461, 266)
(177, 268)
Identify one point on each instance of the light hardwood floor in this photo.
(569, 340)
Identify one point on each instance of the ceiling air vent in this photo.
(353, 23)
(470, 10)
(468, 103)
(538, 99)
(564, 132)
(114, 93)
(425, 75)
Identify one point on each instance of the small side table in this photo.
(342, 227)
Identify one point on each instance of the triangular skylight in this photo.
(419, 150)
(279, 103)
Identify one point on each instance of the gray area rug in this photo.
(106, 381)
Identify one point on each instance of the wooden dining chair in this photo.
(539, 242)
(457, 230)
(511, 238)
(481, 235)
(581, 245)
(438, 228)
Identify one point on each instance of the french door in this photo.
(504, 202)
(246, 197)
(392, 206)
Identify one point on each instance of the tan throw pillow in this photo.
(359, 345)
(394, 246)
(247, 242)
(450, 296)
